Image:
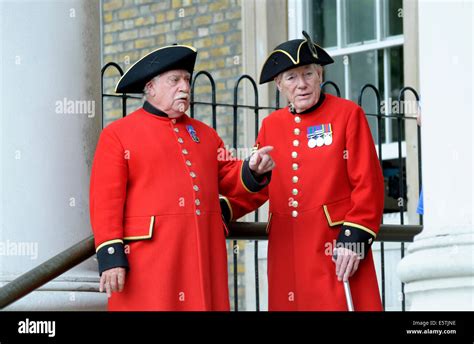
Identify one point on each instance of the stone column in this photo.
(411, 78)
(439, 268)
(50, 122)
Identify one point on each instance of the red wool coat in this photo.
(156, 189)
(331, 193)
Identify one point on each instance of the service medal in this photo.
(192, 133)
(311, 143)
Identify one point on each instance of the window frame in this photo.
(298, 18)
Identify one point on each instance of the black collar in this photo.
(153, 110)
(312, 108)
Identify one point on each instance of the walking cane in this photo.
(347, 291)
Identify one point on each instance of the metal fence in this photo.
(399, 118)
(256, 231)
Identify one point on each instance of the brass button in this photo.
(347, 232)
(192, 174)
(197, 201)
(196, 188)
(295, 204)
(295, 167)
(297, 119)
(173, 121)
(296, 143)
(370, 241)
(296, 131)
(198, 212)
(294, 155)
(185, 151)
(111, 250)
(176, 130)
(294, 213)
(188, 162)
(294, 191)
(295, 179)
(180, 140)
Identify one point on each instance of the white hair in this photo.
(145, 89)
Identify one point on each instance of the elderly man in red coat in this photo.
(326, 195)
(154, 195)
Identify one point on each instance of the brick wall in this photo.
(132, 28)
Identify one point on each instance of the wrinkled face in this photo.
(170, 92)
(301, 85)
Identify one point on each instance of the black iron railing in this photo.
(255, 231)
(399, 118)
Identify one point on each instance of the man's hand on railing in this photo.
(347, 263)
(112, 280)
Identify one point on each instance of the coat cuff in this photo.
(226, 209)
(356, 238)
(111, 255)
(252, 183)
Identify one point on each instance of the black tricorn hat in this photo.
(154, 63)
(292, 54)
